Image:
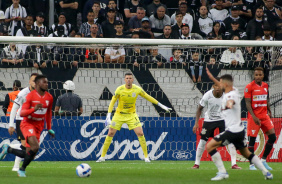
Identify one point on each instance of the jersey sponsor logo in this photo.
(246, 90)
(47, 102)
(260, 105)
(133, 94)
(30, 130)
(259, 97)
(265, 89)
(256, 90)
(253, 131)
(35, 101)
(41, 111)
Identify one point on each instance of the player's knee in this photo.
(271, 138)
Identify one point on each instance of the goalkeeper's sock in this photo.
(200, 151)
(233, 153)
(143, 145)
(106, 145)
(27, 159)
(216, 158)
(17, 152)
(257, 162)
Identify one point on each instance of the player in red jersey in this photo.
(257, 102)
(36, 109)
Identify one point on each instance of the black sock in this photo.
(269, 145)
(19, 153)
(252, 141)
(213, 152)
(27, 159)
(23, 148)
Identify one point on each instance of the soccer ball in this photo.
(83, 170)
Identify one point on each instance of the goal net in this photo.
(172, 71)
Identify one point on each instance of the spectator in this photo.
(131, 8)
(232, 56)
(187, 35)
(245, 9)
(267, 33)
(108, 26)
(260, 61)
(178, 57)
(218, 14)
(159, 20)
(37, 56)
(58, 32)
(196, 64)
(14, 15)
(99, 17)
(3, 24)
(189, 10)
(203, 24)
(156, 58)
(86, 26)
(212, 61)
(277, 29)
(112, 5)
(93, 55)
(176, 29)
(217, 31)
(40, 28)
(119, 30)
(36, 6)
(211, 51)
(69, 7)
(249, 55)
(10, 97)
(151, 9)
(68, 29)
(235, 30)
(271, 13)
(89, 5)
(145, 31)
(225, 3)
(187, 18)
(11, 55)
(76, 54)
(135, 21)
(70, 103)
(94, 31)
(166, 33)
(234, 16)
(114, 54)
(279, 61)
(254, 27)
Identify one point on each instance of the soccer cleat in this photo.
(266, 165)
(196, 166)
(101, 159)
(235, 166)
(4, 151)
(220, 176)
(15, 169)
(252, 167)
(268, 176)
(147, 160)
(21, 173)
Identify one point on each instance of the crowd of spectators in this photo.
(148, 19)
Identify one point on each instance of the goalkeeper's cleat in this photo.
(268, 176)
(266, 165)
(147, 160)
(196, 166)
(253, 167)
(235, 166)
(4, 151)
(101, 159)
(220, 176)
(21, 173)
(15, 169)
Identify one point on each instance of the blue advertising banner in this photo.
(81, 138)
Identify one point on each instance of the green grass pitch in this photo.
(134, 172)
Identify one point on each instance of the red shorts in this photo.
(253, 129)
(29, 130)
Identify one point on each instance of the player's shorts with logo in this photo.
(18, 130)
(209, 128)
(253, 129)
(227, 137)
(29, 130)
(131, 119)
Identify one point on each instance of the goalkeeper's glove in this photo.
(108, 120)
(51, 132)
(167, 109)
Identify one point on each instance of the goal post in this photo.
(165, 69)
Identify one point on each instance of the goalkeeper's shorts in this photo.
(132, 121)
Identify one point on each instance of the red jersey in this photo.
(258, 95)
(37, 118)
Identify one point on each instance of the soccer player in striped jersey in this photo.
(126, 113)
(213, 119)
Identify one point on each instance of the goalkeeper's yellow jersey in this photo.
(127, 99)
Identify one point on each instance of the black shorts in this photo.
(227, 137)
(18, 130)
(209, 127)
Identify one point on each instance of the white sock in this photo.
(15, 146)
(263, 160)
(216, 158)
(233, 153)
(257, 162)
(200, 150)
(17, 162)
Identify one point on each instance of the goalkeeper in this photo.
(126, 113)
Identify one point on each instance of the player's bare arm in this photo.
(249, 107)
(198, 114)
(229, 104)
(212, 77)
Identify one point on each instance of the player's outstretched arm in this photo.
(198, 114)
(212, 77)
(110, 109)
(154, 101)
